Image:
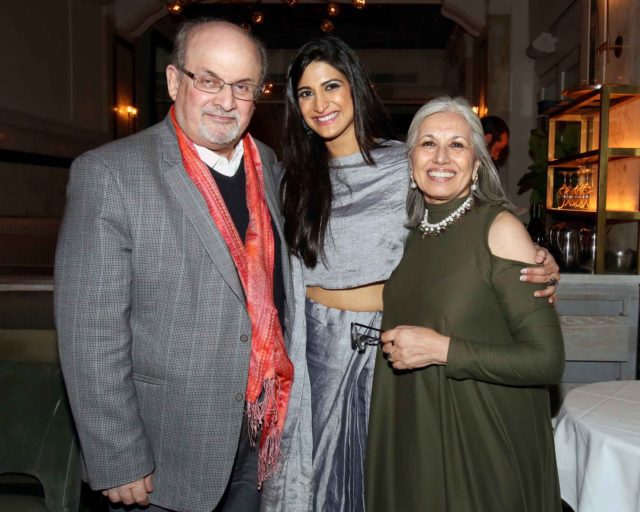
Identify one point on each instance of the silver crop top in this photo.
(365, 235)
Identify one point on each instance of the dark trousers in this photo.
(241, 494)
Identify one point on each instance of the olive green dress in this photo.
(474, 435)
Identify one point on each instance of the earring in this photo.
(474, 185)
(413, 184)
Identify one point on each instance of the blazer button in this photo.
(239, 397)
(244, 338)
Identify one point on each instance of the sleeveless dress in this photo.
(473, 435)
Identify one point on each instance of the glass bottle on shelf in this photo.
(537, 225)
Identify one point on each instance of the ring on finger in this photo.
(552, 281)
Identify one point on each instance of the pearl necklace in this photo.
(438, 228)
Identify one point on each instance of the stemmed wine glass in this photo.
(578, 190)
(563, 191)
(587, 188)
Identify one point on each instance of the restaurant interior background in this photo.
(79, 73)
(69, 65)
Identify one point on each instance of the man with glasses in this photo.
(174, 296)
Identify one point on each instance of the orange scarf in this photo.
(270, 370)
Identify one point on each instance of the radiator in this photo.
(28, 242)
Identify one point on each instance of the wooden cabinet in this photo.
(598, 185)
(599, 319)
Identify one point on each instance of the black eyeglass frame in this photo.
(259, 89)
(360, 340)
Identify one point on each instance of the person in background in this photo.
(343, 191)
(460, 413)
(496, 135)
(173, 293)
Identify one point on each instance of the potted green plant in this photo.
(535, 180)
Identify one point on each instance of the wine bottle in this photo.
(537, 225)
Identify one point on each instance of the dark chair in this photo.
(37, 438)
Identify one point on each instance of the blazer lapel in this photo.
(195, 208)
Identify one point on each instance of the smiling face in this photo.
(216, 121)
(326, 104)
(443, 160)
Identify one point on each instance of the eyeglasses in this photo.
(206, 82)
(363, 335)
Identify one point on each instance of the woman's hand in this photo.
(408, 347)
(549, 274)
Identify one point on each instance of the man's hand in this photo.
(134, 493)
(549, 274)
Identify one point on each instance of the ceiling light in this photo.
(326, 26)
(257, 17)
(333, 9)
(175, 7)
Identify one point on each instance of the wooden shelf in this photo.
(606, 117)
(589, 104)
(591, 157)
(572, 211)
(623, 215)
(611, 215)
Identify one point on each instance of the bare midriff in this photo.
(362, 298)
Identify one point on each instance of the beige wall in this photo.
(55, 96)
(522, 107)
(55, 91)
(510, 95)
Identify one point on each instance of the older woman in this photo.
(460, 416)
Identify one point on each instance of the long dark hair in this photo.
(306, 184)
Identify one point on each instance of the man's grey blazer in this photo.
(153, 330)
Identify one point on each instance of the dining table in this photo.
(597, 440)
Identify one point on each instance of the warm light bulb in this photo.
(128, 110)
(359, 4)
(257, 17)
(290, 3)
(175, 7)
(326, 26)
(333, 9)
(268, 88)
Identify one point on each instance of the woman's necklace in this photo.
(428, 229)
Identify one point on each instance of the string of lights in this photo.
(257, 17)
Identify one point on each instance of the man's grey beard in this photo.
(218, 135)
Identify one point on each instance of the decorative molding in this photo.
(469, 14)
(30, 134)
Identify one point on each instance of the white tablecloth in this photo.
(597, 439)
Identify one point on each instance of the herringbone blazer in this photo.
(153, 330)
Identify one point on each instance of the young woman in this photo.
(343, 192)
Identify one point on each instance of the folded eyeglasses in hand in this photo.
(363, 335)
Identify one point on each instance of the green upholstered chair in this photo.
(37, 438)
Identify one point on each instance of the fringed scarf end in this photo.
(263, 412)
(269, 457)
